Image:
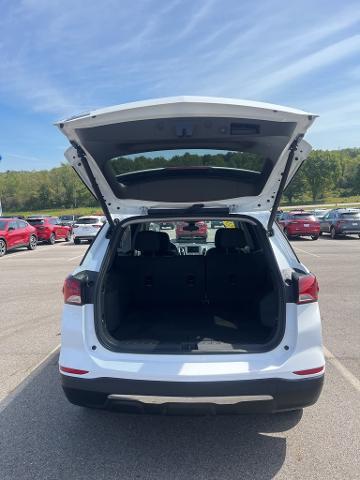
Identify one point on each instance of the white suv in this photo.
(231, 325)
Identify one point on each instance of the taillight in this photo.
(97, 226)
(72, 290)
(309, 371)
(340, 222)
(75, 226)
(308, 289)
(75, 371)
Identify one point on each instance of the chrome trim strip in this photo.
(157, 400)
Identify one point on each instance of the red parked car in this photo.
(15, 233)
(299, 224)
(191, 232)
(49, 229)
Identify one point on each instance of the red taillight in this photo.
(75, 226)
(309, 371)
(72, 291)
(75, 371)
(308, 289)
(97, 226)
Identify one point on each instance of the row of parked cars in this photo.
(337, 222)
(16, 232)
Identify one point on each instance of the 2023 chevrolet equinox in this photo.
(155, 325)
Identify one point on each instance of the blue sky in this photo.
(60, 58)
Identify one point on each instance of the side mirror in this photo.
(11, 228)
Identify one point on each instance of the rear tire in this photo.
(332, 233)
(76, 241)
(314, 237)
(52, 239)
(32, 242)
(3, 248)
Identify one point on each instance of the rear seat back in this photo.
(231, 273)
(163, 280)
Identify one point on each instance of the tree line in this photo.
(326, 173)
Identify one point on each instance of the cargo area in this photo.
(157, 298)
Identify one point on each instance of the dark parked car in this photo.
(15, 233)
(341, 221)
(299, 224)
(49, 229)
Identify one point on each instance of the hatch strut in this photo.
(285, 174)
(100, 198)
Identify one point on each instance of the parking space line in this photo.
(73, 258)
(304, 251)
(354, 381)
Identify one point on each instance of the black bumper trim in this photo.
(287, 394)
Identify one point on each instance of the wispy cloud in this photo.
(61, 57)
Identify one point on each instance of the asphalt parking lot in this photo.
(42, 436)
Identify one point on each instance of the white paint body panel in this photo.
(302, 335)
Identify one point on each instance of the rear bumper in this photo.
(247, 396)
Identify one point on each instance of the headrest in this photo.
(230, 238)
(148, 242)
(164, 241)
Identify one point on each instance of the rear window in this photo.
(36, 221)
(187, 158)
(303, 216)
(3, 225)
(66, 217)
(87, 220)
(350, 215)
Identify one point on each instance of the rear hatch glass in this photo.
(350, 216)
(36, 221)
(87, 221)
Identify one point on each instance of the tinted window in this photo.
(36, 221)
(187, 158)
(66, 217)
(87, 220)
(302, 216)
(350, 215)
(3, 225)
(21, 224)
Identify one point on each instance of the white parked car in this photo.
(86, 228)
(152, 326)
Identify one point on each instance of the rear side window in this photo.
(21, 224)
(3, 225)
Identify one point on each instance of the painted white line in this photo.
(73, 258)
(304, 251)
(354, 381)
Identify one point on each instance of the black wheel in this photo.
(76, 241)
(52, 239)
(320, 233)
(32, 242)
(332, 233)
(68, 237)
(2, 247)
(314, 237)
(286, 233)
(359, 235)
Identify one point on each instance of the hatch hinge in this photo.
(82, 155)
(285, 174)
